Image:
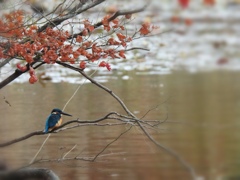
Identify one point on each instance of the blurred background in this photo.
(191, 74)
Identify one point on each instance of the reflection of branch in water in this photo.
(6, 101)
(69, 151)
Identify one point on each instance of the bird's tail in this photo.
(46, 128)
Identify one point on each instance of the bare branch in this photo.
(33, 159)
(3, 63)
(171, 152)
(90, 158)
(99, 85)
(139, 48)
(69, 151)
(42, 133)
(93, 124)
(21, 138)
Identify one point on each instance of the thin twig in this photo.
(73, 12)
(138, 48)
(111, 143)
(76, 158)
(172, 153)
(69, 151)
(94, 124)
(33, 159)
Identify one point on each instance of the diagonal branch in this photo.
(171, 152)
(188, 167)
(10, 78)
(21, 138)
(99, 85)
(16, 74)
(3, 63)
(111, 143)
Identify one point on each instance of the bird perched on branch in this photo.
(54, 120)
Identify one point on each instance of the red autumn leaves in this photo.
(147, 28)
(55, 44)
(9, 23)
(105, 64)
(109, 25)
(33, 78)
(185, 3)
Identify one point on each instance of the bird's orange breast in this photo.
(56, 125)
(59, 123)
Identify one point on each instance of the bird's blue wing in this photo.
(51, 121)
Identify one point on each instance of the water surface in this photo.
(202, 126)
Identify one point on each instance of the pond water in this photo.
(202, 126)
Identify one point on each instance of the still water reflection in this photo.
(203, 126)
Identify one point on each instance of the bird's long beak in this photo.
(66, 114)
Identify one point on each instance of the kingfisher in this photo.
(54, 120)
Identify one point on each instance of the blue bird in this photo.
(54, 120)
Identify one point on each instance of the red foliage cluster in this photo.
(28, 44)
(147, 28)
(177, 19)
(185, 3)
(33, 78)
(105, 64)
(209, 2)
(21, 68)
(10, 25)
(114, 24)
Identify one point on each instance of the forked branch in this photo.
(40, 132)
(188, 167)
